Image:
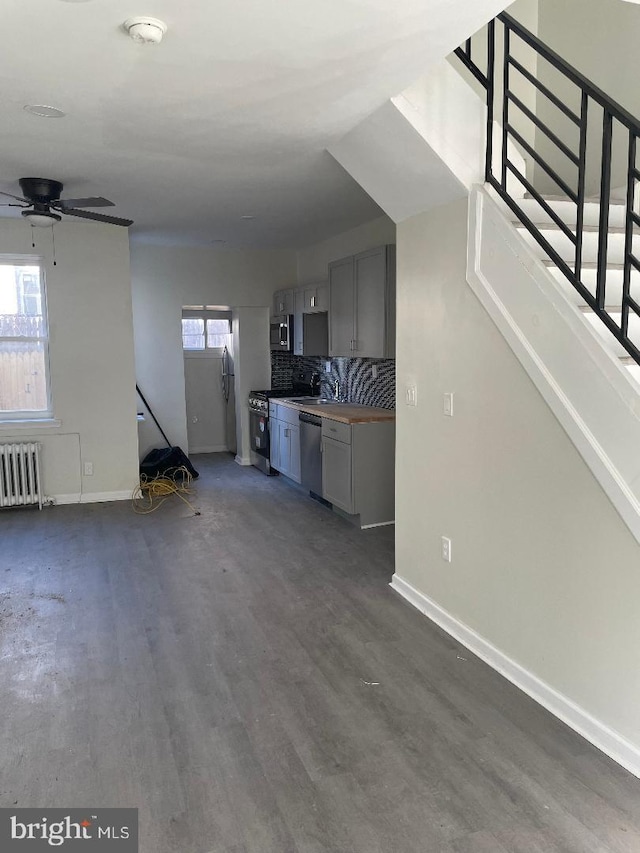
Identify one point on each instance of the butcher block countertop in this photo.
(346, 413)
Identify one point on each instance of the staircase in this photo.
(552, 233)
(590, 245)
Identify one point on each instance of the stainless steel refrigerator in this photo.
(228, 393)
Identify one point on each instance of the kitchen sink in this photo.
(311, 401)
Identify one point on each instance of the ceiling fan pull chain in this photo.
(53, 241)
(33, 239)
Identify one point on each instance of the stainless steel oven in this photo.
(281, 333)
(259, 430)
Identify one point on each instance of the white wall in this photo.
(166, 278)
(91, 356)
(314, 260)
(599, 38)
(543, 566)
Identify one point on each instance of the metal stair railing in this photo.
(497, 80)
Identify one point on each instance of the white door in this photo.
(206, 406)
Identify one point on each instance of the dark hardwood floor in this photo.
(247, 679)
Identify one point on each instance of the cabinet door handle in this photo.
(313, 302)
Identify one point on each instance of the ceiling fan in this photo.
(42, 204)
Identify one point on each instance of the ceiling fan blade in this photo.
(98, 217)
(17, 197)
(23, 206)
(65, 203)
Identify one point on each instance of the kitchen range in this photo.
(305, 384)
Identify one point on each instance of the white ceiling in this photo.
(230, 115)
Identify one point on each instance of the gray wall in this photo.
(543, 567)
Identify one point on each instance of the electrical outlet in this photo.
(446, 549)
(412, 395)
(88, 469)
(447, 406)
(327, 367)
(374, 371)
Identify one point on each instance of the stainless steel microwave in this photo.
(281, 333)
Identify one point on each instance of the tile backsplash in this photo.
(354, 374)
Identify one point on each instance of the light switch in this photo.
(412, 395)
(447, 406)
(374, 371)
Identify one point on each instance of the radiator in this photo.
(20, 475)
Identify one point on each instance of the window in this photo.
(205, 328)
(24, 344)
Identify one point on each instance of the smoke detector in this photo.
(145, 30)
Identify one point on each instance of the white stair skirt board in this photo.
(597, 733)
(588, 389)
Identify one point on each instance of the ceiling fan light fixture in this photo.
(40, 219)
(145, 30)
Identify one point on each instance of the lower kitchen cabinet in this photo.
(289, 450)
(336, 474)
(358, 469)
(285, 441)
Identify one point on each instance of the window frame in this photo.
(15, 416)
(204, 313)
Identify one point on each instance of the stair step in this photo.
(590, 240)
(613, 310)
(609, 342)
(553, 226)
(563, 208)
(591, 265)
(592, 199)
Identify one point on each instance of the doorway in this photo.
(207, 343)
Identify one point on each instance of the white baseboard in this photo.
(100, 497)
(59, 500)
(91, 497)
(596, 732)
(377, 524)
(214, 448)
(242, 460)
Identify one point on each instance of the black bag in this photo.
(166, 460)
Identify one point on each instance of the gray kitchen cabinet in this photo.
(285, 441)
(298, 316)
(362, 300)
(316, 298)
(341, 316)
(358, 469)
(289, 450)
(336, 474)
(283, 302)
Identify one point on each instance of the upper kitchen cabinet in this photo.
(298, 330)
(316, 298)
(362, 297)
(283, 302)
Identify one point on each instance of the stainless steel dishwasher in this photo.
(311, 452)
